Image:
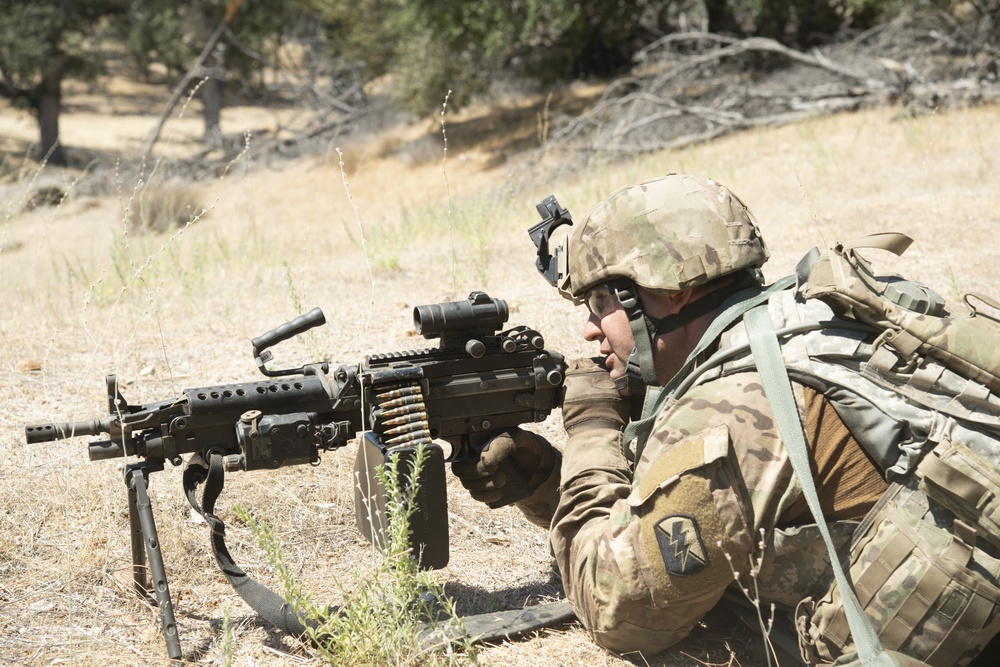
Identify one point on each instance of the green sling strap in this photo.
(778, 389)
(730, 311)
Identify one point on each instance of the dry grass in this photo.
(79, 298)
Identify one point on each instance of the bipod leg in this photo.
(140, 580)
(135, 479)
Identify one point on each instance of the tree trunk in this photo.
(49, 107)
(721, 19)
(211, 98)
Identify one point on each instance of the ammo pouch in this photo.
(930, 591)
(428, 539)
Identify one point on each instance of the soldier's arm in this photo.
(642, 561)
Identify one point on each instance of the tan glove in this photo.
(510, 468)
(591, 399)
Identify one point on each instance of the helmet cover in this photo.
(671, 233)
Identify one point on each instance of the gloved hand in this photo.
(510, 468)
(591, 399)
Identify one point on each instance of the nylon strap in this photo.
(269, 605)
(778, 389)
(734, 308)
(642, 340)
(273, 608)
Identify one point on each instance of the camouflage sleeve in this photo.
(540, 506)
(643, 560)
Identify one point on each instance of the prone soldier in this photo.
(654, 520)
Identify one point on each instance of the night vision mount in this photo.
(549, 264)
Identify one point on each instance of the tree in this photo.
(432, 46)
(43, 42)
(173, 33)
(797, 23)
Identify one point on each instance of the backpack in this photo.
(917, 324)
(915, 320)
(917, 382)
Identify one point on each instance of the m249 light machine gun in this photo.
(479, 381)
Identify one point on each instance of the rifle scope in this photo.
(479, 314)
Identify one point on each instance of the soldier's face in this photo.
(608, 325)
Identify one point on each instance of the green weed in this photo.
(380, 624)
(384, 243)
(227, 637)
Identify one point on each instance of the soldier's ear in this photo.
(661, 304)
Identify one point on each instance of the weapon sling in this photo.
(777, 387)
(273, 608)
(269, 605)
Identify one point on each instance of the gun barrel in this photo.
(35, 433)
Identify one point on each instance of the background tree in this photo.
(432, 46)
(44, 42)
(172, 33)
(429, 47)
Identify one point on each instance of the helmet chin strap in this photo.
(640, 369)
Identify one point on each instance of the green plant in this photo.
(382, 244)
(227, 637)
(381, 623)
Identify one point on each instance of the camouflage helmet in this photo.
(670, 233)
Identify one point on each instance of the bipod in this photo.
(146, 545)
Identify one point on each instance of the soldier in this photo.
(651, 524)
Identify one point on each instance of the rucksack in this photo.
(917, 382)
(914, 319)
(917, 324)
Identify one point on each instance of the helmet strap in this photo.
(689, 313)
(640, 369)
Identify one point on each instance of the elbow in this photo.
(636, 635)
(623, 618)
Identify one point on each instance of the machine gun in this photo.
(478, 381)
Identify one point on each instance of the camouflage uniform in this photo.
(646, 548)
(645, 554)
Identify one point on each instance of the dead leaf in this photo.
(29, 366)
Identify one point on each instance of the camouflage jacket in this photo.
(646, 549)
(711, 503)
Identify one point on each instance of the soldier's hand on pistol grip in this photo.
(509, 469)
(591, 400)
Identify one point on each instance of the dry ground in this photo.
(80, 298)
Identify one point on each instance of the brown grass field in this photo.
(81, 298)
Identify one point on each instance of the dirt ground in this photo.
(82, 297)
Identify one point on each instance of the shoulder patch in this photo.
(680, 545)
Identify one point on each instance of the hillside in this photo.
(367, 228)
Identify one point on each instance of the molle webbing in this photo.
(931, 593)
(966, 483)
(917, 322)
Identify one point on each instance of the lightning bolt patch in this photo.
(680, 545)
